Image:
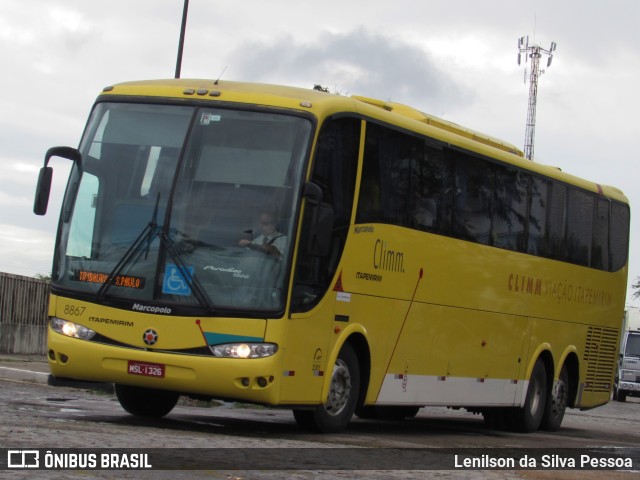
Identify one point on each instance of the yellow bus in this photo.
(331, 255)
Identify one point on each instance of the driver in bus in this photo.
(270, 242)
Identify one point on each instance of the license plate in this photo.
(146, 369)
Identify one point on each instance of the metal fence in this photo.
(23, 314)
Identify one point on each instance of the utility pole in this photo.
(534, 53)
(181, 42)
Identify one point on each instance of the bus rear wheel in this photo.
(556, 403)
(335, 414)
(146, 402)
(528, 418)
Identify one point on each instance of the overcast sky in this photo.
(451, 58)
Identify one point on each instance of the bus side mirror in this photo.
(318, 222)
(42, 191)
(43, 188)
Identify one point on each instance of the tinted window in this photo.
(413, 182)
(619, 235)
(432, 193)
(556, 221)
(579, 226)
(386, 188)
(473, 192)
(538, 216)
(600, 249)
(510, 209)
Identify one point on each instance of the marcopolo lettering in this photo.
(150, 309)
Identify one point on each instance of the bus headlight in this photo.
(71, 329)
(244, 350)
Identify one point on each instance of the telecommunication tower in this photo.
(534, 53)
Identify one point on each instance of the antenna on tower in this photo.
(532, 52)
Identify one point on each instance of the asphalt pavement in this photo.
(35, 369)
(25, 368)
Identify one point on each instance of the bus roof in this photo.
(322, 104)
(427, 119)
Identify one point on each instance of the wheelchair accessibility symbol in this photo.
(175, 280)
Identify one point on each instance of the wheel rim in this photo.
(340, 389)
(560, 399)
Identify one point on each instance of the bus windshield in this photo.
(633, 345)
(183, 205)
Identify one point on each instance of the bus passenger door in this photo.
(328, 207)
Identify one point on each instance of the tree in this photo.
(636, 288)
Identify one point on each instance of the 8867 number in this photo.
(73, 310)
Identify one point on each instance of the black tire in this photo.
(528, 418)
(620, 396)
(146, 402)
(556, 403)
(378, 412)
(335, 414)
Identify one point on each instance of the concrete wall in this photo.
(23, 314)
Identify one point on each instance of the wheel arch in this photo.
(553, 369)
(361, 347)
(547, 360)
(542, 353)
(572, 363)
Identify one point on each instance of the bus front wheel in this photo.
(146, 402)
(335, 414)
(528, 418)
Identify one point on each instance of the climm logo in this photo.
(387, 259)
(525, 284)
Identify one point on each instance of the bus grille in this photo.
(600, 356)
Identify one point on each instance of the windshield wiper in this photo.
(148, 234)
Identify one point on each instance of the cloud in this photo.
(16, 241)
(355, 62)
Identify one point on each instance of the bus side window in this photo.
(473, 192)
(600, 248)
(370, 197)
(510, 209)
(619, 243)
(579, 226)
(536, 244)
(556, 221)
(386, 176)
(431, 208)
